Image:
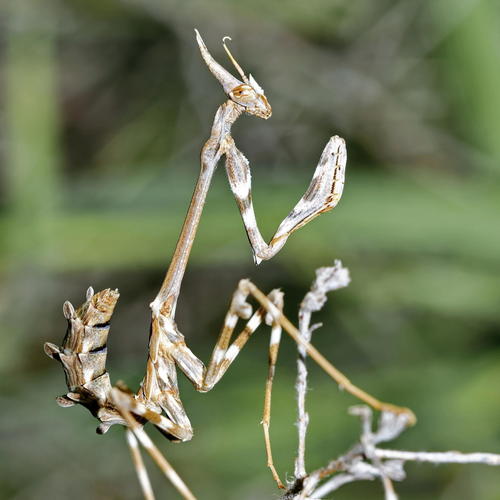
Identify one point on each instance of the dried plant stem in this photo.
(440, 457)
(334, 373)
(366, 461)
(301, 385)
(140, 468)
(389, 492)
(119, 399)
(327, 279)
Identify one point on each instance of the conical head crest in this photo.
(245, 92)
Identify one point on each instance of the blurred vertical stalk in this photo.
(32, 159)
(475, 72)
(31, 131)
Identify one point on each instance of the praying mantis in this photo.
(83, 353)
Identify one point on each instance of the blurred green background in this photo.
(104, 107)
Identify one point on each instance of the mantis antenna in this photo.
(233, 60)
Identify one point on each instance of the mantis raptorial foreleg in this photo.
(324, 192)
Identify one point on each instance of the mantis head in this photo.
(247, 93)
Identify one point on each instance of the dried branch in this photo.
(440, 457)
(365, 460)
(142, 473)
(327, 279)
(121, 400)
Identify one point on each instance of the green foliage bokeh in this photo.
(104, 107)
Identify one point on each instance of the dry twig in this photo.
(365, 460)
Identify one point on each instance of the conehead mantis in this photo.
(83, 354)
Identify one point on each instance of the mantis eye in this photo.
(242, 93)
